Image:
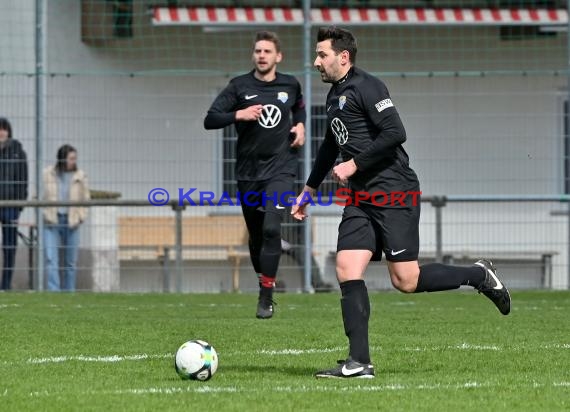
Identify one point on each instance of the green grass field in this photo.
(434, 352)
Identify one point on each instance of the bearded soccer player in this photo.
(268, 111)
(365, 128)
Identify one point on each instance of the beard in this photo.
(265, 70)
(326, 78)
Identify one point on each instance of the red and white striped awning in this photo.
(207, 16)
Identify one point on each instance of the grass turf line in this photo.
(431, 351)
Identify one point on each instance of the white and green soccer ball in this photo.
(196, 360)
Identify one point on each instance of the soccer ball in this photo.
(196, 360)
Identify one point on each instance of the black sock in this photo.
(355, 306)
(435, 277)
(266, 284)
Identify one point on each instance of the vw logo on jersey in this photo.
(339, 130)
(270, 116)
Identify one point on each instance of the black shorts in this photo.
(392, 230)
(274, 195)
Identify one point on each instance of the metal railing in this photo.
(437, 202)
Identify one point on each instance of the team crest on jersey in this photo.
(282, 96)
(341, 102)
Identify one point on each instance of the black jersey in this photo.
(364, 125)
(263, 146)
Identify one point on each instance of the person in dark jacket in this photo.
(13, 186)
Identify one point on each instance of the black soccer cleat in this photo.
(493, 288)
(264, 307)
(348, 369)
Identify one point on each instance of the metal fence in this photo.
(181, 251)
(482, 88)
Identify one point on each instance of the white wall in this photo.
(17, 57)
(17, 36)
(17, 61)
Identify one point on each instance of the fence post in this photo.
(308, 71)
(568, 123)
(568, 212)
(40, 58)
(438, 202)
(166, 270)
(178, 246)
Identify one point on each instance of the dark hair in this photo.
(269, 36)
(62, 152)
(5, 125)
(341, 40)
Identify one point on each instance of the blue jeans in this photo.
(56, 236)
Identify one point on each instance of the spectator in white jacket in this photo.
(63, 181)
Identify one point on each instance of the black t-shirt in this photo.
(263, 146)
(364, 125)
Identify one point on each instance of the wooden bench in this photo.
(542, 259)
(203, 238)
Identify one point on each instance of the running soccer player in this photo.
(269, 114)
(364, 126)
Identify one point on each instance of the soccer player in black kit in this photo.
(269, 114)
(364, 126)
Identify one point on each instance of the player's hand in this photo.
(249, 114)
(299, 131)
(298, 210)
(343, 171)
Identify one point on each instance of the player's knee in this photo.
(404, 286)
(272, 227)
(404, 282)
(345, 272)
(344, 276)
(271, 232)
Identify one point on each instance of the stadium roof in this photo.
(235, 16)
